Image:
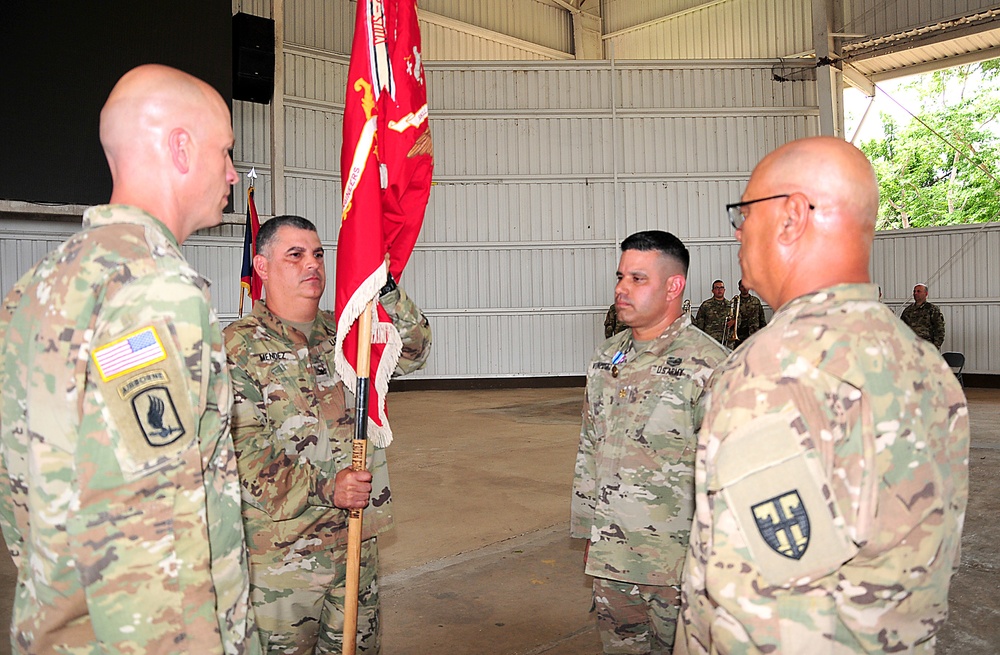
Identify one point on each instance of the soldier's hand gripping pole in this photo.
(359, 458)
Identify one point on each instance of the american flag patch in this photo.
(130, 353)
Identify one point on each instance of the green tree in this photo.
(941, 168)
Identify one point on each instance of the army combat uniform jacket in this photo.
(751, 317)
(119, 498)
(293, 422)
(831, 487)
(711, 317)
(926, 321)
(634, 483)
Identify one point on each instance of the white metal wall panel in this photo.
(956, 264)
(877, 18)
(323, 24)
(445, 42)
(623, 14)
(541, 169)
(734, 29)
(528, 20)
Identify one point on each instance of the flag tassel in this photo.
(359, 460)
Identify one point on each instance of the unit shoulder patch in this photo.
(784, 524)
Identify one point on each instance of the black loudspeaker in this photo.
(253, 58)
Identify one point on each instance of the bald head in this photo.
(819, 228)
(161, 130)
(831, 172)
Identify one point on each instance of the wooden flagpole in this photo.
(359, 459)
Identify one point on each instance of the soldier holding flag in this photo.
(293, 426)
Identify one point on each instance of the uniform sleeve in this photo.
(271, 480)
(937, 327)
(585, 476)
(414, 330)
(13, 463)
(140, 528)
(905, 316)
(699, 319)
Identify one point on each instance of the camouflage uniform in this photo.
(634, 484)
(612, 325)
(751, 317)
(121, 502)
(831, 487)
(926, 321)
(711, 317)
(293, 424)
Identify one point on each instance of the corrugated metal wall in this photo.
(723, 29)
(542, 168)
(957, 264)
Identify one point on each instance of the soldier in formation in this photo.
(293, 424)
(924, 318)
(634, 480)
(713, 315)
(750, 317)
(832, 477)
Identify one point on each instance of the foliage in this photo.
(941, 168)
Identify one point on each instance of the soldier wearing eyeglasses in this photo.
(831, 479)
(713, 314)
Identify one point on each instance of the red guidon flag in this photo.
(386, 166)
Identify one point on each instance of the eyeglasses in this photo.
(737, 214)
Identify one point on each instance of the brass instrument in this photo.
(732, 340)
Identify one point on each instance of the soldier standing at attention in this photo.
(632, 492)
(832, 472)
(751, 317)
(293, 424)
(119, 492)
(712, 317)
(924, 318)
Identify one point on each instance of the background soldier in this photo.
(632, 493)
(751, 317)
(119, 498)
(924, 318)
(713, 315)
(293, 423)
(832, 474)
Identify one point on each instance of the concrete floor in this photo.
(480, 562)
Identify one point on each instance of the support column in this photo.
(587, 31)
(278, 111)
(829, 86)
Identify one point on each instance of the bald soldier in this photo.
(924, 318)
(831, 476)
(119, 495)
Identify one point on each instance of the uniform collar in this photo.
(117, 214)
(655, 347)
(322, 327)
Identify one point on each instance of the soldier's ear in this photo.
(260, 266)
(675, 286)
(179, 142)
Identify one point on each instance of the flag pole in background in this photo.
(250, 282)
(386, 167)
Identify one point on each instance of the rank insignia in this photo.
(157, 417)
(784, 524)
